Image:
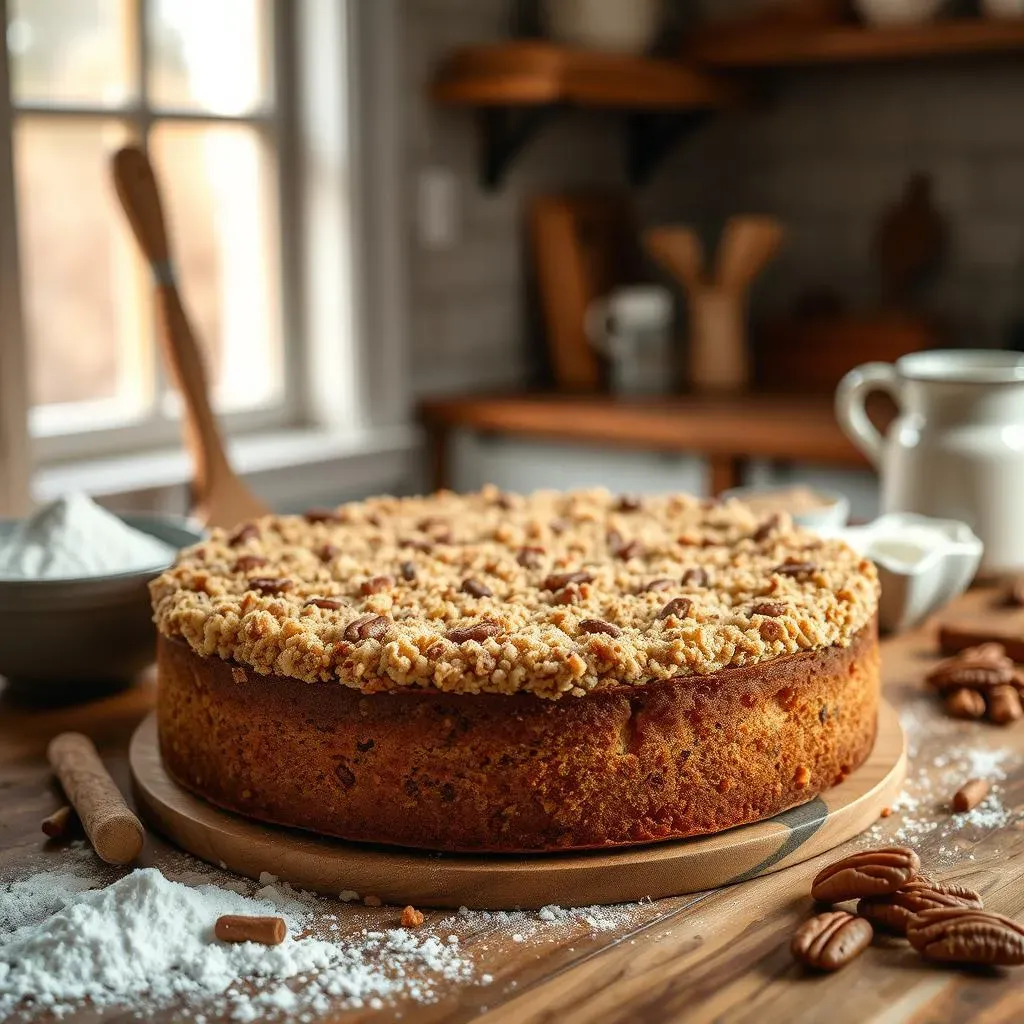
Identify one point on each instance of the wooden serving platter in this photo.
(497, 882)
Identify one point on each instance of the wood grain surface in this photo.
(713, 956)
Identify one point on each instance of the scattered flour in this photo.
(74, 537)
(145, 942)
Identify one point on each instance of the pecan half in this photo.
(628, 503)
(408, 571)
(695, 578)
(870, 873)
(1004, 705)
(679, 607)
(247, 531)
(831, 940)
(269, 585)
(329, 604)
(622, 548)
(983, 667)
(791, 567)
(367, 627)
(321, 515)
(895, 911)
(964, 703)
(966, 935)
(558, 580)
(600, 626)
(479, 632)
(376, 585)
(530, 557)
(247, 562)
(772, 609)
(476, 589)
(658, 585)
(328, 552)
(767, 528)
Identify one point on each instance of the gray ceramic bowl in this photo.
(77, 637)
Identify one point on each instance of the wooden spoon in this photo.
(219, 498)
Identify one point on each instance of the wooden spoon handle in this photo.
(137, 189)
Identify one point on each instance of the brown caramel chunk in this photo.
(966, 935)
(870, 873)
(831, 940)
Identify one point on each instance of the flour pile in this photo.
(147, 942)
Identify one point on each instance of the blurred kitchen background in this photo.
(553, 243)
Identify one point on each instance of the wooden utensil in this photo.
(719, 360)
(219, 498)
(583, 246)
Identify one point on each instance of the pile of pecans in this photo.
(980, 682)
(944, 923)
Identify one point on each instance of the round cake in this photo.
(492, 672)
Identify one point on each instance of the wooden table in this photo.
(727, 430)
(713, 956)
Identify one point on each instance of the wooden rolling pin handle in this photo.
(268, 931)
(116, 834)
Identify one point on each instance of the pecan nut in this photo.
(1004, 705)
(656, 586)
(831, 940)
(321, 515)
(695, 578)
(559, 580)
(767, 528)
(628, 503)
(478, 632)
(966, 935)
(870, 873)
(964, 703)
(367, 627)
(895, 911)
(600, 626)
(376, 585)
(408, 571)
(247, 531)
(981, 667)
(269, 585)
(792, 567)
(530, 557)
(248, 562)
(678, 607)
(772, 609)
(476, 589)
(329, 604)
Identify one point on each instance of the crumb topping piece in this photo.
(553, 594)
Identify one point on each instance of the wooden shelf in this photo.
(725, 429)
(517, 86)
(748, 49)
(539, 73)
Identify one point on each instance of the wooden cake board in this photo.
(495, 881)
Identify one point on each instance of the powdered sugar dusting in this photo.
(145, 943)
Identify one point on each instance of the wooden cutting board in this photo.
(400, 876)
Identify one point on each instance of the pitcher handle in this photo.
(851, 396)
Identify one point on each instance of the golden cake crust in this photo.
(475, 772)
(553, 594)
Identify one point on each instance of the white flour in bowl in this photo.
(74, 537)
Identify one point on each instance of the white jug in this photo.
(956, 450)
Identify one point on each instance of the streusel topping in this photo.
(554, 594)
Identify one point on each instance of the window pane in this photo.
(70, 51)
(80, 276)
(221, 201)
(209, 56)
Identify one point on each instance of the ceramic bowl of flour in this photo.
(74, 626)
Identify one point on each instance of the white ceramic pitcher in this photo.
(956, 450)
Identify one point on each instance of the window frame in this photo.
(341, 192)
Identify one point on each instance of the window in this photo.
(205, 87)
